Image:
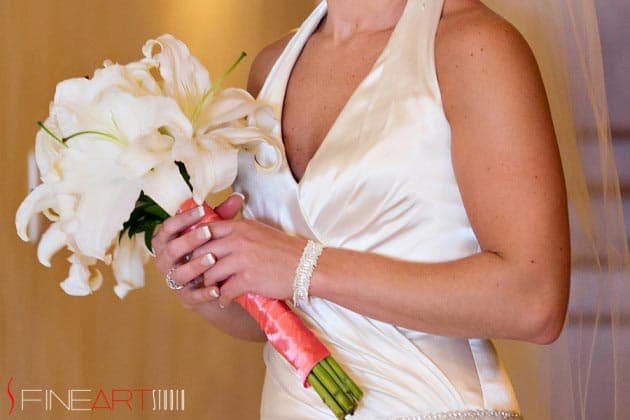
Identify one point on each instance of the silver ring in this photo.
(170, 282)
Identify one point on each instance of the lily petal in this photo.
(52, 241)
(146, 153)
(134, 78)
(135, 117)
(129, 258)
(41, 198)
(48, 151)
(107, 195)
(210, 162)
(90, 162)
(101, 214)
(82, 280)
(266, 148)
(265, 119)
(229, 105)
(139, 73)
(165, 186)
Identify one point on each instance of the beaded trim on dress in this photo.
(468, 414)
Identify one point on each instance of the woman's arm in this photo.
(510, 177)
(508, 169)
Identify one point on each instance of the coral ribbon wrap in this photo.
(284, 329)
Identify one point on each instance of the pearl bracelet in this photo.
(304, 272)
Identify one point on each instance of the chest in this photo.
(322, 81)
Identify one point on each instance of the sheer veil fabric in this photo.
(584, 372)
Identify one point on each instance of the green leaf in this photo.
(157, 211)
(184, 173)
(144, 218)
(148, 237)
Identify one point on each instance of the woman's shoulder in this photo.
(469, 24)
(264, 61)
(480, 57)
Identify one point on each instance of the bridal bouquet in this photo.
(135, 143)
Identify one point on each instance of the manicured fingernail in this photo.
(204, 232)
(214, 293)
(199, 212)
(208, 260)
(239, 195)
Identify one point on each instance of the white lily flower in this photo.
(107, 166)
(184, 78)
(218, 120)
(94, 167)
(130, 255)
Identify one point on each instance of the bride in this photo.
(421, 160)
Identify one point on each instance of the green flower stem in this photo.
(220, 80)
(50, 133)
(346, 390)
(334, 387)
(356, 391)
(325, 396)
(345, 401)
(215, 87)
(98, 133)
(63, 140)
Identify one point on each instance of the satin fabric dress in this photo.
(382, 181)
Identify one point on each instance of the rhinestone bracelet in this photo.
(304, 271)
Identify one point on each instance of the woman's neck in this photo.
(346, 18)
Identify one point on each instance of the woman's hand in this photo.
(181, 252)
(251, 258)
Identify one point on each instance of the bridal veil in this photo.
(585, 374)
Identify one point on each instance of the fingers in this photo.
(231, 206)
(176, 224)
(222, 270)
(177, 248)
(220, 248)
(185, 273)
(192, 296)
(223, 228)
(230, 290)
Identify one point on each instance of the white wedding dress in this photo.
(382, 181)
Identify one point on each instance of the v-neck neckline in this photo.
(297, 52)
